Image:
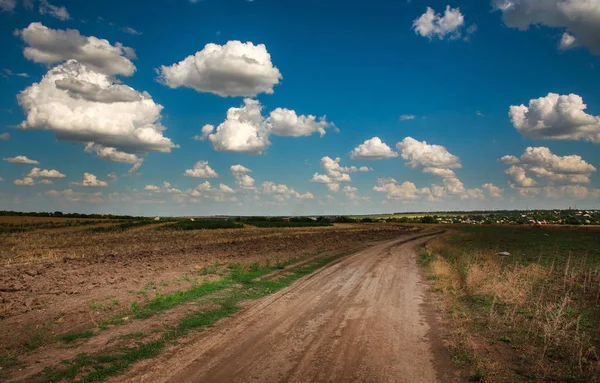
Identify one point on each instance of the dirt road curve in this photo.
(362, 319)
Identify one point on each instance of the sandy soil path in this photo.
(362, 319)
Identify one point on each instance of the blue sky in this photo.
(435, 87)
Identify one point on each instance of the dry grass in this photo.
(518, 318)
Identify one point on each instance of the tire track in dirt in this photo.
(362, 319)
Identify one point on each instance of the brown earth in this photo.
(362, 319)
(53, 282)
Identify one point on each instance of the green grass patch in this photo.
(123, 226)
(202, 225)
(287, 224)
(239, 286)
(73, 336)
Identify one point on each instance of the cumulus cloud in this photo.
(127, 127)
(246, 130)
(492, 191)
(205, 190)
(112, 176)
(243, 130)
(434, 25)
(538, 165)
(406, 191)
(373, 149)
(406, 117)
(54, 11)
(201, 170)
(45, 182)
(580, 18)
(421, 154)
(70, 195)
(51, 46)
(21, 160)
(205, 132)
(233, 69)
(285, 122)
(281, 192)
(37, 172)
(243, 180)
(335, 173)
(90, 180)
(556, 117)
(5, 136)
(85, 90)
(26, 181)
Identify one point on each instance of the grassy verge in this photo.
(287, 224)
(202, 225)
(123, 226)
(532, 315)
(241, 284)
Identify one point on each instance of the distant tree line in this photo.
(59, 214)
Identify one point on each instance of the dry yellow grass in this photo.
(542, 310)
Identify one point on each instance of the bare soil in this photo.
(362, 319)
(44, 295)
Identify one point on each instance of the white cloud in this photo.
(54, 11)
(406, 117)
(7, 72)
(580, 18)
(111, 154)
(7, 5)
(129, 127)
(112, 176)
(373, 149)
(407, 191)
(45, 182)
(421, 154)
(519, 177)
(492, 191)
(281, 192)
(206, 131)
(243, 130)
(21, 160)
(221, 194)
(37, 172)
(243, 180)
(233, 69)
(26, 181)
(335, 173)
(201, 170)
(90, 180)
(226, 189)
(5, 136)
(70, 195)
(285, 122)
(547, 168)
(131, 31)
(50, 46)
(471, 194)
(152, 188)
(556, 117)
(432, 25)
(567, 42)
(509, 160)
(246, 130)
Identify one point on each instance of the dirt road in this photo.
(362, 319)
